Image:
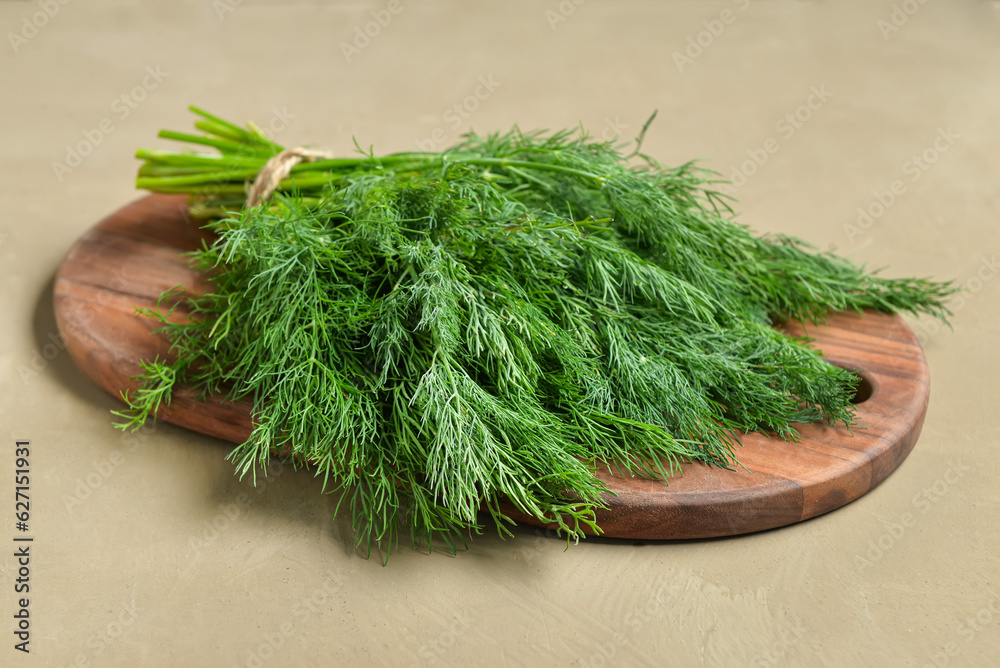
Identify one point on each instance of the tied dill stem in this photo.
(435, 332)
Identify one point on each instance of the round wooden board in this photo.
(134, 255)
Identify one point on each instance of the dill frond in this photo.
(435, 332)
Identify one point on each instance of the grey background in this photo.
(148, 550)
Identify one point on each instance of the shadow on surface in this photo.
(51, 357)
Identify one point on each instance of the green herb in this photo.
(437, 331)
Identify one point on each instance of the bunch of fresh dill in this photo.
(437, 331)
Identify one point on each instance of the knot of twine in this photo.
(276, 169)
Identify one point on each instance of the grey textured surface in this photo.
(148, 551)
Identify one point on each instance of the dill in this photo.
(435, 332)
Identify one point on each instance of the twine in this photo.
(277, 169)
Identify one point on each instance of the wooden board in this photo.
(132, 256)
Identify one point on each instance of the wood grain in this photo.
(135, 254)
